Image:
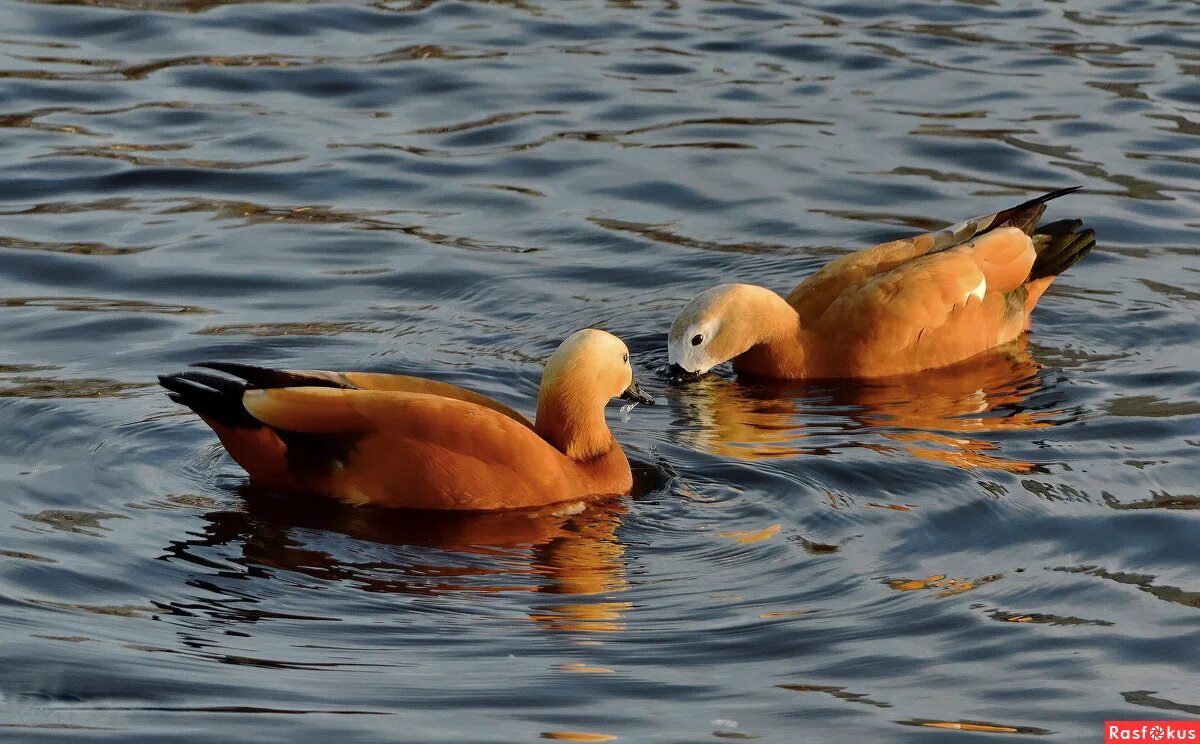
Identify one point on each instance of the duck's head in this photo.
(586, 371)
(593, 364)
(716, 326)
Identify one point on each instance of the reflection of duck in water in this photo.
(589, 561)
(392, 440)
(938, 410)
(898, 308)
(931, 416)
(573, 551)
(748, 422)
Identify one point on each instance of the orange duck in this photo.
(393, 440)
(901, 307)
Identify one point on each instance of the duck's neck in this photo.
(777, 344)
(573, 423)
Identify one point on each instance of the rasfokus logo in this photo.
(1151, 731)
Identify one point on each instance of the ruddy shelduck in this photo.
(394, 440)
(901, 307)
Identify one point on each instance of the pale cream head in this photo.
(594, 363)
(716, 326)
(586, 370)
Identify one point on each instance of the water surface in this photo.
(1003, 551)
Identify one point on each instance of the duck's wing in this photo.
(814, 295)
(301, 437)
(425, 386)
(413, 450)
(932, 310)
(265, 378)
(401, 414)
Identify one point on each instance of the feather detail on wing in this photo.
(923, 292)
(814, 295)
(933, 311)
(398, 422)
(310, 410)
(424, 386)
(1005, 257)
(896, 304)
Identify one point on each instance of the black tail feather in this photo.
(1025, 215)
(223, 385)
(263, 378)
(1059, 246)
(217, 398)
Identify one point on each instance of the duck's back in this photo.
(937, 298)
(817, 291)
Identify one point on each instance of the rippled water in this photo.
(448, 188)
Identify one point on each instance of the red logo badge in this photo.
(1118, 732)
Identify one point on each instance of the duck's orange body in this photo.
(393, 440)
(898, 308)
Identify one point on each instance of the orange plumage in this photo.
(898, 308)
(393, 440)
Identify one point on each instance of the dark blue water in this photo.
(448, 189)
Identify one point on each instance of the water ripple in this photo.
(447, 188)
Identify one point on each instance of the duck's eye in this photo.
(697, 339)
(626, 359)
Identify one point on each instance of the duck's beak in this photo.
(678, 374)
(635, 393)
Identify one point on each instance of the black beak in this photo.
(678, 374)
(635, 393)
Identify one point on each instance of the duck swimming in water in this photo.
(901, 307)
(394, 440)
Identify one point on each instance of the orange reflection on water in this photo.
(571, 550)
(977, 726)
(588, 560)
(931, 416)
(577, 736)
(735, 421)
(746, 537)
(945, 587)
(940, 408)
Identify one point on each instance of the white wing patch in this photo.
(979, 291)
